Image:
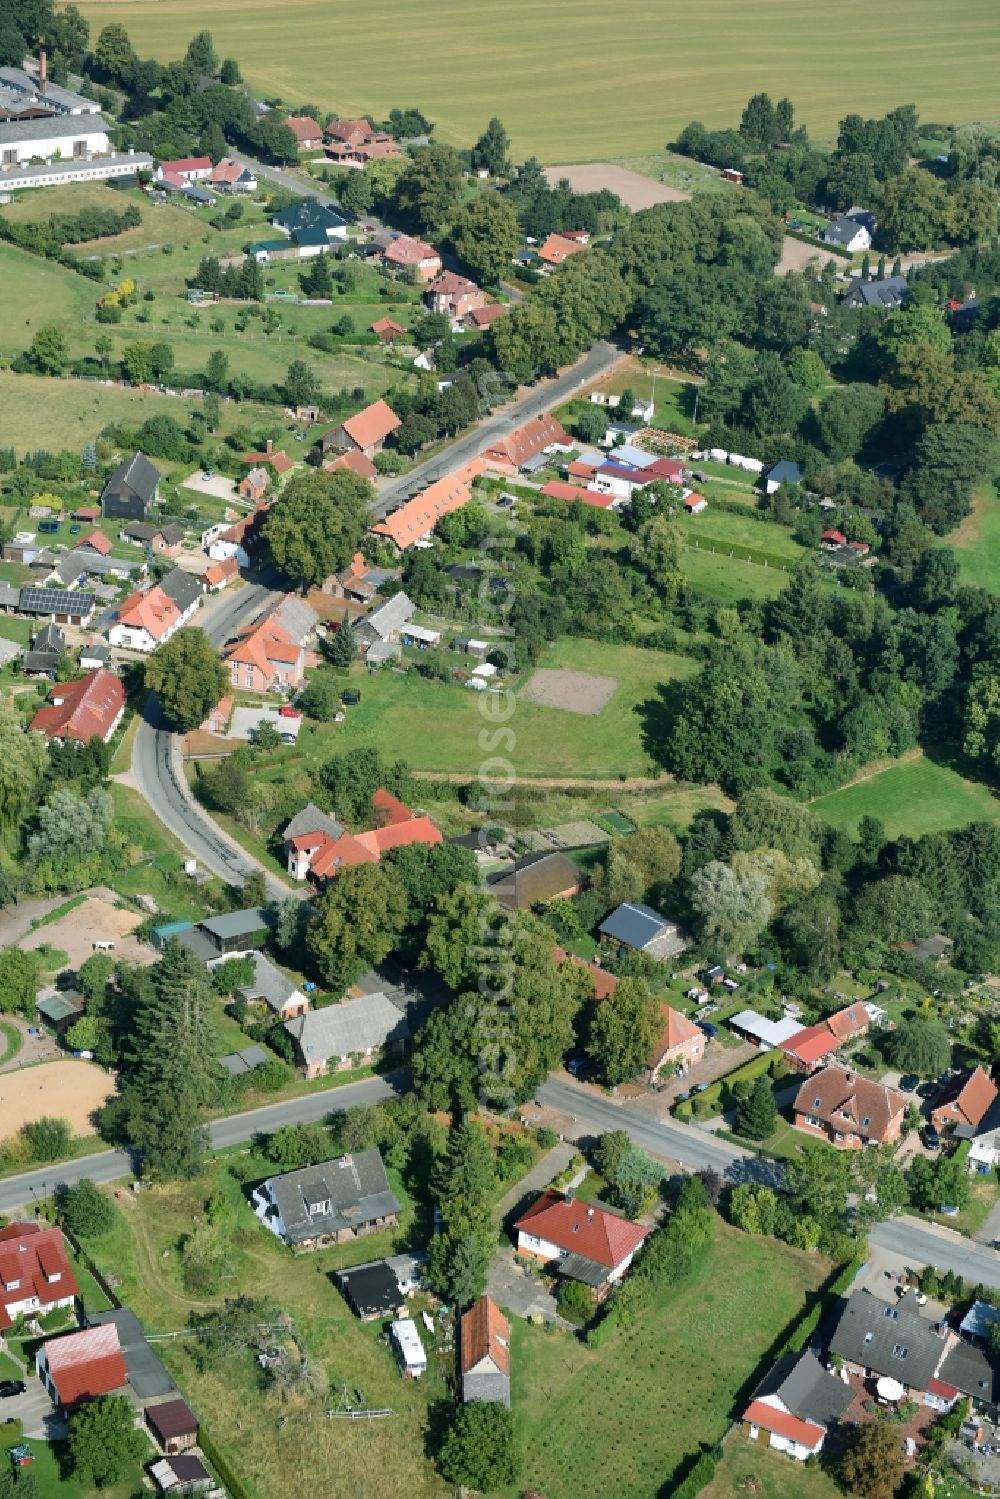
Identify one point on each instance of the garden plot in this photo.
(574, 691)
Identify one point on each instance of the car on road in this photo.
(682, 1097)
(908, 1082)
(708, 1029)
(700, 1087)
(931, 1138)
(11, 1387)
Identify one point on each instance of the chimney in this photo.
(269, 446)
(590, 1215)
(43, 72)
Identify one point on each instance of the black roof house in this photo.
(131, 489)
(892, 1340)
(372, 1290)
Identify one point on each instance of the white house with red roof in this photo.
(149, 618)
(184, 171)
(317, 846)
(230, 176)
(35, 1275)
(82, 1366)
(580, 1240)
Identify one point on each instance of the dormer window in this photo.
(869, 1336)
(898, 1351)
(866, 1121)
(318, 1208)
(11, 1285)
(55, 1275)
(817, 1103)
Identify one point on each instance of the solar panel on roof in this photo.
(56, 601)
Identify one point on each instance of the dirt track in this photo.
(70, 1089)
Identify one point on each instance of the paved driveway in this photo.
(521, 1292)
(34, 1411)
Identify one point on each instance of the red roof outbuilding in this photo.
(83, 1365)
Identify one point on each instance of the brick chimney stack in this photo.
(269, 446)
(43, 72)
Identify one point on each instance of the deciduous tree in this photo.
(187, 677)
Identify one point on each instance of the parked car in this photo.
(75, 529)
(708, 1029)
(11, 1387)
(927, 1090)
(579, 1066)
(931, 1138)
(948, 1210)
(908, 1082)
(48, 527)
(682, 1097)
(700, 1087)
(287, 711)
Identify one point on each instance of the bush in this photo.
(577, 1302)
(84, 1210)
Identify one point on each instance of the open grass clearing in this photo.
(82, 409)
(912, 798)
(723, 529)
(568, 1399)
(34, 291)
(977, 542)
(729, 579)
(549, 67)
(680, 173)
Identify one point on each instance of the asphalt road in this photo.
(534, 402)
(944, 1248)
(21, 1191)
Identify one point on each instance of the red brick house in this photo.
(351, 132)
(306, 131)
(81, 1366)
(387, 330)
(408, 254)
(453, 295)
(35, 1276)
(265, 658)
(848, 1110)
(965, 1100)
(510, 453)
(253, 486)
(482, 317)
(90, 708)
(680, 1045)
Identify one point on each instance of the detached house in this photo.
(876, 1338)
(642, 929)
(485, 1351)
(679, 1047)
(796, 1405)
(145, 620)
(90, 708)
(365, 432)
(131, 489)
(232, 177)
(965, 1101)
(272, 988)
(307, 132)
(35, 1277)
(508, 454)
(578, 1240)
(848, 1110)
(330, 1203)
(454, 295)
(407, 254)
(317, 846)
(329, 1040)
(558, 248)
(265, 659)
(847, 233)
(81, 1366)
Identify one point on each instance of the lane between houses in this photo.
(108, 1165)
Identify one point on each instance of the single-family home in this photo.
(130, 491)
(270, 987)
(58, 605)
(409, 1350)
(186, 168)
(47, 650)
(416, 519)
(694, 503)
(380, 630)
(81, 1366)
(407, 254)
(965, 1101)
(848, 1110)
(312, 224)
(316, 845)
(173, 1425)
(387, 330)
(240, 540)
(984, 1148)
(35, 1275)
(642, 929)
(796, 1406)
(183, 1474)
(219, 575)
(579, 1240)
(484, 317)
(306, 131)
(508, 454)
(889, 294)
(330, 1039)
(358, 581)
(270, 457)
(159, 539)
(350, 132)
(679, 1046)
(784, 472)
(185, 588)
(329, 1203)
(535, 880)
(847, 234)
(150, 617)
(228, 176)
(454, 295)
(253, 485)
(876, 1338)
(264, 658)
(558, 248)
(365, 432)
(484, 1340)
(90, 708)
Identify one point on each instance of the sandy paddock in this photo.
(71, 1089)
(574, 691)
(635, 190)
(95, 920)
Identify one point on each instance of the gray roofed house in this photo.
(806, 1389)
(534, 879)
(236, 1063)
(849, 233)
(890, 293)
(83, 563)
(783, 472)
(297, 618)
(307, 216)
(183, 587)
(274, 988)
(970, 1370)
(386, 622)
(357, 1027)
(892, 1340)
(94, 655)
(312, 820)
(146, 1375)
(328, 1203)
(131, 489)
(643, 929)
(47, 649)
(10, 596)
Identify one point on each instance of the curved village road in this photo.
(108, 1165)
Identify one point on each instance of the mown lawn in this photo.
(724, 530)
(549, 66)
(729, 579)
(780, 1477)
(437, 726)
(618, 1419)
(914, 798)
(977, 542)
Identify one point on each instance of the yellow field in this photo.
(581, 80)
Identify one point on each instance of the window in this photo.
(869, 1336)
(891, 1311)
(866, 1121)
(817, 1103)
(898, 1351)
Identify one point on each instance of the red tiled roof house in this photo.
(90, 708)
(680, 1045)
(453, 295)
(579, 1240)
(965, 1101)
(485, 1353)
(307, 132)
(264, 658)
(408, 254)
(848, 1110)
(35, 1276)
(365, 432)
(418, 517)
(317, 846)
(508, 454)
(81, 1366)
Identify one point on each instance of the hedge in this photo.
(808, 1323)
(699, 1478)
(817, 244)
(602, 1330)
(708, 1101)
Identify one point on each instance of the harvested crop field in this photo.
(634, 190)
(95, 920)
(573, 691)
(63, 1090)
